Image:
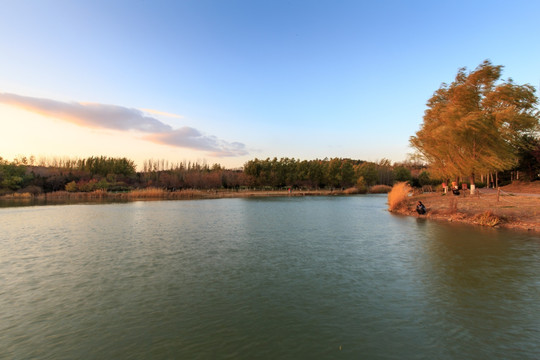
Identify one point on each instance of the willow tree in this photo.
(476, 124)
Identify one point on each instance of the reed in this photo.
(380, 189)
(398, 195)
(147, 193)
(56, 195)
(59, 195)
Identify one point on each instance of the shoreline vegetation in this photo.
(515, 207)
(185, 194)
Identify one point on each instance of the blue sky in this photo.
(228, 81)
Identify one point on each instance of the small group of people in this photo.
(420, 208)
(455, 188)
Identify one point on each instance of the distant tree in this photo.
(369, 171)
(361, 185)
(317, 173)
(104, 166)
(55, 182)
(401, 174)
(347, 173)
(385, 172)
(334, 172)
(529, 159)
(12, 175)
(424, 178)
(475, 124)
(72, 186)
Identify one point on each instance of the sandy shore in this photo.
(512, 209)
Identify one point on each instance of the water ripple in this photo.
(262, 278)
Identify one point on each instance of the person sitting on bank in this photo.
(420, 208)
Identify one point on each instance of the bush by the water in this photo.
(487, 218)
(353, 191)
(398, 195)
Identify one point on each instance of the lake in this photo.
(262, 278)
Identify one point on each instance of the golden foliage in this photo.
(361, 185)
(476, 124)
(398, 195)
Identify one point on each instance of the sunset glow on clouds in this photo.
(120, 118)
(191, 138)
(88, 114)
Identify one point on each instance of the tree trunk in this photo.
(472, 180)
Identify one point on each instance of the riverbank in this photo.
(162, 194)
(510, 209)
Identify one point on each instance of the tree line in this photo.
(28, 175)
(119, 174)
(110, 174)
(325, 173)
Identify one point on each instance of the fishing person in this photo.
(420, 208)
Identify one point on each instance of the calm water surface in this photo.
(278, 278)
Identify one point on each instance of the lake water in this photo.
(272, 278)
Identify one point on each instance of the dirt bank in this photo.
(517, 207)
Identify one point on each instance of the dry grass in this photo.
(25, 195)
(397, 197)
(59, 195)
(487, 218)
(148, 193)
(380, 189)
(354, 190)
(453, 205)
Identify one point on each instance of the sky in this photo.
(227, 81)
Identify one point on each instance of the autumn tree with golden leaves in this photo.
(477, 123)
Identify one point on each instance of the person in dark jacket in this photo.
(420, 208)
